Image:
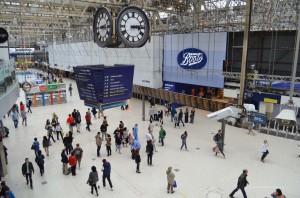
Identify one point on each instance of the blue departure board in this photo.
(89, 80)
(118, 83)
(104, 84)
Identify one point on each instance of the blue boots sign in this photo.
(192, 58)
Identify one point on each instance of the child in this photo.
(137, 161)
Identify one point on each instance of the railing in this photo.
(186, 100)
(7, 75)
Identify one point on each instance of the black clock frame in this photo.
(108, 42)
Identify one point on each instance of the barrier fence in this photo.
(161, 95)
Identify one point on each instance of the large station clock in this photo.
(103, 27)
(132, 27)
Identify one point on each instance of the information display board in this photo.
(89, 80)
(104, 84)
(118, 82)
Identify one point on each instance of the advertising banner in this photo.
(195, 59)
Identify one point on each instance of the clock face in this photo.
(133, 27)
(102, 27)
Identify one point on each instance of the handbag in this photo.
(267, 151)
(175, 184)
(50, 143)
(32, 147)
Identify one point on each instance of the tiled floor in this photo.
(200, 173)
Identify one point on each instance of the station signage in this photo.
(192, 58)
(3, 35)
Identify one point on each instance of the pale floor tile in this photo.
(200, 174)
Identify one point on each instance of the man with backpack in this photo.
(183, 139)
(39, 159)
(219, 141)
(162, 135)
(35, 146)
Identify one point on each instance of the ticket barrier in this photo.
(50, 98)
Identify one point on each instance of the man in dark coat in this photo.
(27, 171)
(242, 183)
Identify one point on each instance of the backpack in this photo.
(215, 137)
(182, 136)
(164, 132)
(78, 152)
(39, 160)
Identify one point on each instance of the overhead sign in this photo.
(104, 84)
(259, 119)
(192, 58)
(3, 35)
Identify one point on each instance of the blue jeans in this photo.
(16, 122)
(235, 190)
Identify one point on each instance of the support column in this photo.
(223, 130)
(245, 51)
(143, 107)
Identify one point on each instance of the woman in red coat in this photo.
(22, 107)
(88, 121)
(73, 162)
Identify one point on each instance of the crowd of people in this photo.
(71, 157)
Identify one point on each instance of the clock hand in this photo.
(104, 26)
(135, 26)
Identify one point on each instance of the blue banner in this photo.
(259, 119)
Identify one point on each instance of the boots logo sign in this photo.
(192, 58)
(3, 35)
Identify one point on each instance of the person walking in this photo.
(15, 118)
(88, 121)
(265, 151)
(78, 121)
(46, 145)
(180, 115)
(150, 127)
(118, 142)
(219, 143)
(70, 89)
(135, 132)
(73, 162)
(251, 127)
(58, 130)
(162, 135)
(192, 115)
(94, 112)
(108, 145)
(78, 154)
(186, 116)
(170, 179)
(29, 104)
(50, 133)
(183, 139)
(176, 121)
(68, 143)
(242, 183)
(35, 146)
(98, 143)
(137, 161)
(103, 129)
(149, 151)
(70, 123)
(106, 169)
(173, 112)
(27, 171)
(151, 114)
(125, 137)
(39, 159)
(8, 192)
(24, 117)
(93, 179)
(65, 161)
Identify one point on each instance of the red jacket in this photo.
(22, 107)
(70, 120)
(88, 117)
(72, 160)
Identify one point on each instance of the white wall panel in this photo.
(147, 60)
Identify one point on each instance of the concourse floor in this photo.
(199, 174)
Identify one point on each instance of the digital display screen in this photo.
(104, 84)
